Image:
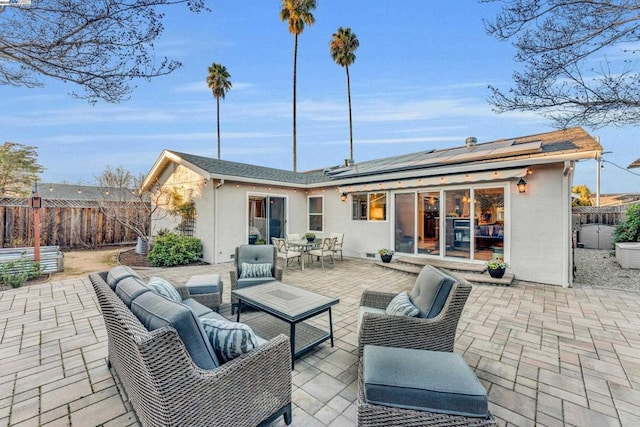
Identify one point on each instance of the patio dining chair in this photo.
(326, 249)
(284, 252)
(339, 241)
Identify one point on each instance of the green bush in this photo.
(629, 229)
(15, 273)
(171, 249)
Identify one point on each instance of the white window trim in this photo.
(321, 196)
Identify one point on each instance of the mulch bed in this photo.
(132, 259)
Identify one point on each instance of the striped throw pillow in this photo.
(401, 305)
(164, 288)
(229, 339)
(255, 270)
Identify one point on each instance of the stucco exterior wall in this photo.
(538, 252)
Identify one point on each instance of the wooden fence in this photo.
(67, 224)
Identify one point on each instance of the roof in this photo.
(549, 147)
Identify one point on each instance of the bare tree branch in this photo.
(100, 45)
(570, 74)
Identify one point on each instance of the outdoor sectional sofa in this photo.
(169, 370)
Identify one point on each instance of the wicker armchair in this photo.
(253, 254)
(435, 333)
(166, 387)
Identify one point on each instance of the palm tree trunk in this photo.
(350, 123)
(218, 115)
(295, 59)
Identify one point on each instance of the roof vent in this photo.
(348, 162)
(471, 141)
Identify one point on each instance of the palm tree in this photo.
(343, 46)
(219, 83)
(297, 13)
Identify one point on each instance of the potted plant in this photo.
(497, 267)
(310, 237)
(385, 254)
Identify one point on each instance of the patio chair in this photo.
(293, 236)
(338, 246)
(325, 249)
(439, 299)
(284, 252)
(254, 265)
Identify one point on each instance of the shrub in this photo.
(171, 249)
(15, 273)
(629, 229)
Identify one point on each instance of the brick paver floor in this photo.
(548, 356)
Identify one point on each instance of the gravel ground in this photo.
(598, 268)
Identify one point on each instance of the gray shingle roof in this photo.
(574, 140)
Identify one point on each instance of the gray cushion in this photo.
(212, 315)
(254, 254)
(118, 273)
(198, 308)
(422, 380)
(229, 339)
(155, 311)
(430, 291)
(204, 284)
(163, 287)
(243, 283)
(401, 305)
(129, 289)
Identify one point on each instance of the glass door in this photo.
(405, 223)
(457, 228)
(267, 219)
(429, 223)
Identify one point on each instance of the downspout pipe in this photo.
(215, 219)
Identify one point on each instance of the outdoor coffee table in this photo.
(292, 306)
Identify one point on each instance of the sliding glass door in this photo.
(266, 218)
(469, 223)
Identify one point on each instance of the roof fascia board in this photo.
(250, 180)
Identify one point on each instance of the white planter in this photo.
(628, 254)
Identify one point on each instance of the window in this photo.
(371, 206)
(377, 206)
(316, 214)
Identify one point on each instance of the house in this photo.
(508, 198)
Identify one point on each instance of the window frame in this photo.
(320, 214)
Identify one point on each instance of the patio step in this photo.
(473, 273)
(405, 268)
(485, 278)
(439, 263)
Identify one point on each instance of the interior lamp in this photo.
(522, 186)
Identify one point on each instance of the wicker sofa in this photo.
(170, 384)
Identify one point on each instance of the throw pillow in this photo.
(401, 305)
(229, 339)
(255, 270)
(164, 288)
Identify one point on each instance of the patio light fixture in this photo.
(522, 186)
(343, 197)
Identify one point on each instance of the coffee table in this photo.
(292, 306)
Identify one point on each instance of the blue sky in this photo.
(419, 83)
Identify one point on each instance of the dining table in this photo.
(304, 246)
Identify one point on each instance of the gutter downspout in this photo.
(215, 220)
(567, 239)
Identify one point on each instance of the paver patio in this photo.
(548, 356)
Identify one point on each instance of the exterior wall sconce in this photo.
(344, 197)
(522, 186)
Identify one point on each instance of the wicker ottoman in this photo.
(206, 289)
(409, 387)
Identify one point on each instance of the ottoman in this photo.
(206, 289)
(400, 386)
